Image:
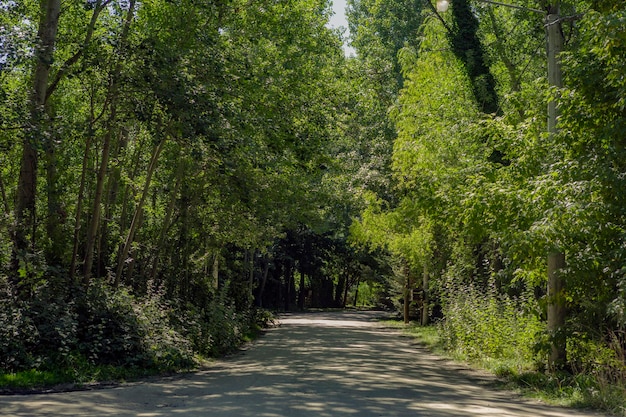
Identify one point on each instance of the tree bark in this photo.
(289, 290)
(111, 202)
(425, 279)
(341, 283)
(25, 214)
(215, 271)
(56, 212)
(111, 127)
(346, 289)
(169, 213)
(56, 215)
(302, 292)
(407, 295)
(95, 213)
(266, 270)
(5, 201)
(134, 225)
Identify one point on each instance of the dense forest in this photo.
(170, 169)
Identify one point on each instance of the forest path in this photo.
(316, 364)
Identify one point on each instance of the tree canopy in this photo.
(198, 160)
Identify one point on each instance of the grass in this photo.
(31, 379)
(74, 377)
(427, 335)
(562, 389)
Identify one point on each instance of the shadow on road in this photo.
(318, 365)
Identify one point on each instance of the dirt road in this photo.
(317, 365)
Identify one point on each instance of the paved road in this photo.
(317, 365)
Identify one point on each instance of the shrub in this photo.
(102, 328)
(18, 337)
(118, 328)
(216, 329)
(483, 323)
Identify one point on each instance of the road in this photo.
(317, 365)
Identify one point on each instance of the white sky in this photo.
(339, 19)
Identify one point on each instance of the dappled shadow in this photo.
(322, 365)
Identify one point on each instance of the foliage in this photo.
(101, 326)
(175, 164)
(218, 329)
(485, 197)
(482, 323)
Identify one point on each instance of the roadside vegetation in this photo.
(171, 168)
(498, 335)
(106, 335)
(503, 225)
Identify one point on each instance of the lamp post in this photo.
(556, 258)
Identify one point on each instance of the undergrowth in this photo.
(106, 334)
(504, 335)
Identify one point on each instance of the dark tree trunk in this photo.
(25, 214)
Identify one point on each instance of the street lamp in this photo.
(556, 258)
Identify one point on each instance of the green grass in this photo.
(427, 335)
(75, 377)
(576, 391)
(31, 379)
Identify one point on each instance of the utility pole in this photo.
(556, 310)
(556, 258)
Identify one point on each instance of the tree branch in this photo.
(443, 22)
(74, 58)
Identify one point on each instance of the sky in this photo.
(339, 19)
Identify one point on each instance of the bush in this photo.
(82, 333)
(18, 337)
(600, 369)
(36, 332)
(102, 326)
(117, 328)
(218, 328)
(484, 323)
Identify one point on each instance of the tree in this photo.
(24, 231)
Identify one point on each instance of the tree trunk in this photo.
(341, 284)
(302, 293)
(467, 47)
(215, 271)
(81, 198)
(56, 215)
(111, 202)
(111, 127)
(346, 289)
(5, 201)
(425, 300)
(266, 270)
(289, 290)
(407, 295)
(25, 214)
(169, 213)
(90, 241)
(134, 224)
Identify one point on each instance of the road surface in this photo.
(312, 365)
